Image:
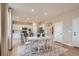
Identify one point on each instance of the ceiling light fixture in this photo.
(17, 17)
(33, 10)
(45, 13)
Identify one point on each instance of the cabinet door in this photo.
(58, 31)
(75, 32)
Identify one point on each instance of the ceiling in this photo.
(40, 11)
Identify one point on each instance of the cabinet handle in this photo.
(74, 33)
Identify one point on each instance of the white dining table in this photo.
(39, 38)
(45, 39)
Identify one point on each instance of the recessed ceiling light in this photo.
(45, 13)
(17, 17)
(33, 10)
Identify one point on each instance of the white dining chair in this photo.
(27, 48)
(34, 47)
(49, 44)
(41, 46)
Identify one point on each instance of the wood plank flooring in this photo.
(71, 51)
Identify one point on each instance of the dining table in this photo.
(38, 40)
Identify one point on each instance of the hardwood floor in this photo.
(70, 51)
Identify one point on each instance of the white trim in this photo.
(68, 44)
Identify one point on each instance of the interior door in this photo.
(58, 31)
(75, 30)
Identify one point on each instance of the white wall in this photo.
(67, 25)
(58, 31)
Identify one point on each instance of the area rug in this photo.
(56, 51)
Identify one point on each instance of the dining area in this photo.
(34, 45)
(35, 40)
(38, 46)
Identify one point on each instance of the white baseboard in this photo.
(68, 44)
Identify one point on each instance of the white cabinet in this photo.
(75, 32)
(58, 31)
